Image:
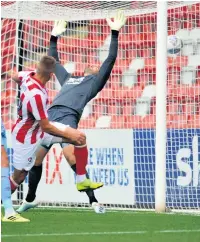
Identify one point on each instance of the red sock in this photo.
(13, 185)
(81, 154)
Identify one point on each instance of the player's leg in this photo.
(10, 214)
(5, 184)
(68, 151)
(23, 160)
(81, 155)
(35, 175)
(82, 183)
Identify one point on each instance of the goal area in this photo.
(143, 128)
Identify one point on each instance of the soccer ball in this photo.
(174, 44)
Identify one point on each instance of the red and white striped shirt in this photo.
(32, 108)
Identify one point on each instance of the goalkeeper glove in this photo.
(119, 21)
(59, 27)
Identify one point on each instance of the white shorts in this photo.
(25, 154)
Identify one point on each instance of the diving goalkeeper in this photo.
(67, 108)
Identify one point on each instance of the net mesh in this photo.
(128, 100)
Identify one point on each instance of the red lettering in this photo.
(57, 168)
(47, 169)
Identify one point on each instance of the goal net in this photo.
(120, 121)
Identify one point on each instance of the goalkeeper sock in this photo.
(90, 193)
(6, 192)
(34, 178)
(81, 154)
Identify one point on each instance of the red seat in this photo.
(131, 29)
(3, 98)
(185, 92)
(8, 46)
(6, 63)
(105, 94)
(8, 97)
(75, 45)
(133, 53)
(128, 109)
(99, 109)
(95, 41)
(147, 76)
(114, 108)
(150, 63)
(120, 94)
(198, 76)
(178, 61)
(117, 122)
(148, 122)
(173, 108)
(179, 121)
(114, 82)
(87, 123)
(189, 108)
(121, 64)
(138, 39)
(173, 75)
(134, 93)
(153, 107)
(133, 122)
(149, 27)
(194, 121)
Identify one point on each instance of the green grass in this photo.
(69, 224)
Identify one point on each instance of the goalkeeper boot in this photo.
(95, 185)
(98, 208)
(26, 206)
(83, 186)
(15, 218)
(87, 184)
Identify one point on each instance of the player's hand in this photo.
(59, 27)
(119, 21)
(75, 136)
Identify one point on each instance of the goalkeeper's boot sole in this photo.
(26, 206)
(88, 185)
(16, 218)
(98, 208)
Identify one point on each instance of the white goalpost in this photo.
(161, 127)
(143, 128)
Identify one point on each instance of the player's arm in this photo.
(38, 108)
(17, 77)
(60, 72)
(69, 134)
(108, 64)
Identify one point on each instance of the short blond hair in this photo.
(46, 66)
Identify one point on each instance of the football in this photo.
(174, 44)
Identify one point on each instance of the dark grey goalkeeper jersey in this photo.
(76, 92)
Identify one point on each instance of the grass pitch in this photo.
(49, 225)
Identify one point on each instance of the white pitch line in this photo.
(75, 234)
(101, 233)
(179, 231)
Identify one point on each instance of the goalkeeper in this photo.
(67, 108)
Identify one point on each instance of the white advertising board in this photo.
(110, 160)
